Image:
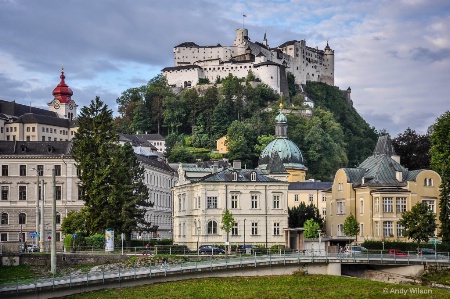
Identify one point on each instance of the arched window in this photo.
(5, 218)
(58, 218)
(22, 218)
(212, 228)
(425, 182)
(430, 182)
(253, 176)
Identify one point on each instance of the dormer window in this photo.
(50, 148)
(235, 176)
(23, 148)
(253, 176)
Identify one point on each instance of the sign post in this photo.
(109, 240)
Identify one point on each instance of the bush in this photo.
(96, 241)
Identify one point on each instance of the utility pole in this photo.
(38, 198)
(53, 244)
(41, 244)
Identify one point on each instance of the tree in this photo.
(227, 225)
(109, 174)
(180, 154)
(351, 226)
(311, 229)
(299, 214)
(419, 223)
(413, 149)
(440, 162)
(74, 222)
(263, 141)
(240, 142)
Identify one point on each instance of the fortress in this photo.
(270, 65)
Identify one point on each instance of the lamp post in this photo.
(198, 239)
(244, 233)
(38, 198)
(320, 240)
(53, 243)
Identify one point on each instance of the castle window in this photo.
(296, 197)
(22, 193)
(212, 228)
(254, 201)
(4, 170)
(253, 176)
(5, 192)
(211, 202)
(387, 204)
(22, 218)
(276, 201)
(5, 218)
(22, 170)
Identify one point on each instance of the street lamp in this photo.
(320, 232)
(244, 233)
(38, 198)
(198, 239)
(53, 244)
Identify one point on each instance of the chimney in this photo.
(237, 164)
(215, 166)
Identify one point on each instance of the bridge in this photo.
(214, 266)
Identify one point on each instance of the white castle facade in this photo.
(271, 65)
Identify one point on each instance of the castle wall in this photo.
(306, 63)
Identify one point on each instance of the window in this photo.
(22, 218)
(361, 229)
(400, 229)
(387, 204)
(430, 204)
(296, 197)
(324, 198)
(179, 203)
(377, 204)
(235, 176)
(40, 169)
(234, 201)
(276, 228)
(211, 202)
(234, 230)
(58, 192)
(5, 218)
(33, 129)
(254, 228)
(276, 201)
(340, 230)
(22, 170)
(212, 228)
(80, 193)
(4, 237)
(340, 186)
(311, 197)
(340, 206)
(57, 170)
(324, 212)
(388, 230)
(58, 218)
(400, 204)
(5, 192)
(253, 176)
(22, 193)
(4, 170)
(28, 129)
(361, 206)
(428, 182)
(254, 201)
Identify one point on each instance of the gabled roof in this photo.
(155, 163)
(35, 148)
(150, 137)
(31, 118)
(15, 109)
(243, 175)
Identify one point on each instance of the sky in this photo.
(395, 55)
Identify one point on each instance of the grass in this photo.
(294, 286)
(22, 273)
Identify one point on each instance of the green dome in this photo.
(289, 153)
(281, 118)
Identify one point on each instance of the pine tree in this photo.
(111, 178)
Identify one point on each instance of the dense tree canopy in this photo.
(299, 214)
(351, 226)
(110, 176)
(440, 162)
(413, 149)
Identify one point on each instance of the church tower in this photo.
(62, 102)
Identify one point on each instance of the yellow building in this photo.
(309, 192)
(377, 192)
(221, 146)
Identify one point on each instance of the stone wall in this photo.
(70, 259)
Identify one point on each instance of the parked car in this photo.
(355, 250)
(397, 253)
(209, 249)
(428, 253)
(243, 248)
(32, 248)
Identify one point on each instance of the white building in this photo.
(271, 65)
(257, 202)
(25, 123)
(23, 163)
